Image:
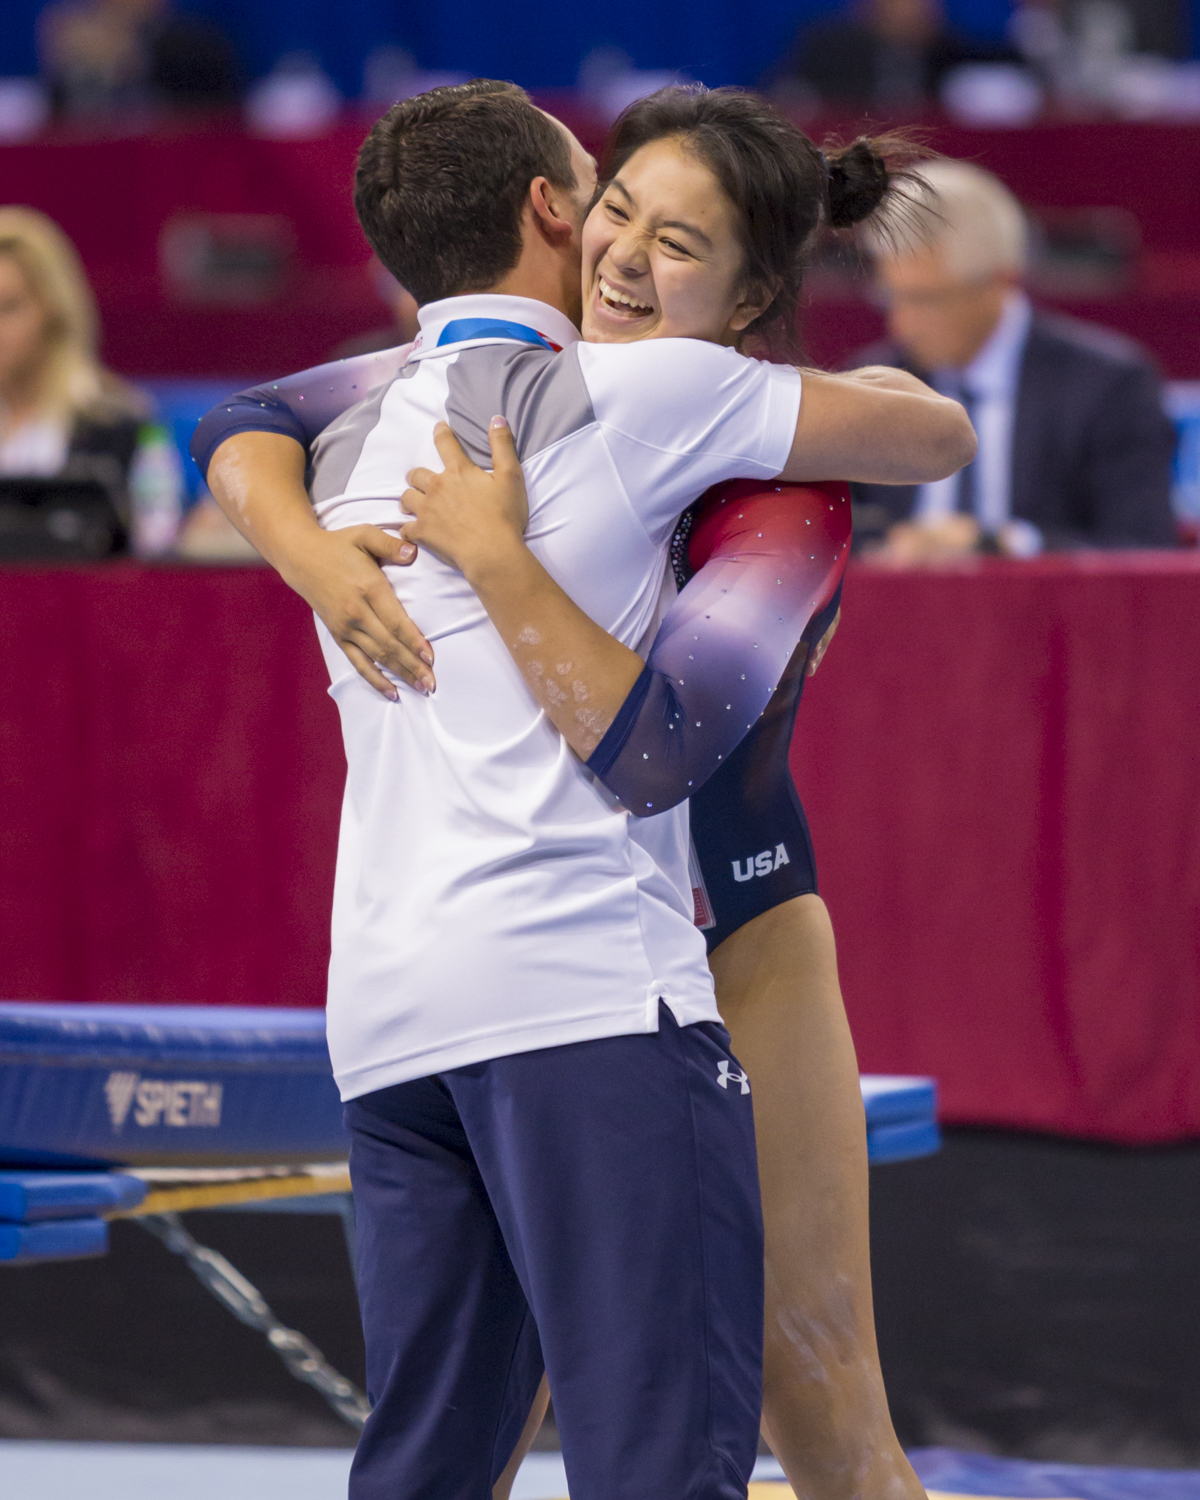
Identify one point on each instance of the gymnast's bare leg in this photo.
(537, 1415)
(825, 1412)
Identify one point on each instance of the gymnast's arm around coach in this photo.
(767, 559)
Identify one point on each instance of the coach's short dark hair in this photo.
(442, 181)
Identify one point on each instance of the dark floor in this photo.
(131, 1348)
(1041, 1299)
(1034, 1297)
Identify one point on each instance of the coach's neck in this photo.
(548, 267)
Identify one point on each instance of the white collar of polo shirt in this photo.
(554, 327)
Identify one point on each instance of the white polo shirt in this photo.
(491, 896)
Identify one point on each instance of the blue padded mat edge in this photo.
(905, 1141)
(889, 1099)
(34, 1197)
(229, 1035)
(61, 1239)
(86, 1085)
(980, 1474)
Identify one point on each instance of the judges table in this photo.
(1001, 764)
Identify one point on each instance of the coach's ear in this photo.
(553, 209)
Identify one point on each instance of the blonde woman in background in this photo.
(61, 412)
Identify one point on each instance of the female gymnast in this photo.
(771, 943)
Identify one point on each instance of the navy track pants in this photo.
(592, 1210)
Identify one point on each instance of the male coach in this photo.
(550, 1166)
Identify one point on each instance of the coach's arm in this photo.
(257, 478)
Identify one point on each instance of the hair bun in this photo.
(858, 182)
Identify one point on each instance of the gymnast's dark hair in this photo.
(781, 186)
(442, 182)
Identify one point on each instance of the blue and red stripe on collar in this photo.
(468, 330)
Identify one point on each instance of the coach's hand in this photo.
(340, 574)
(468, 516)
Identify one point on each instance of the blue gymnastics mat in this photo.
(148, 1471)
(956, 1473)
(35, 1197)
(112, 1085)
(103, 1086)
(59, 1215)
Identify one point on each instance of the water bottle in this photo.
(155, 492)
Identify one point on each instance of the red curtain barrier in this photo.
(171, 772)
(1001, 764)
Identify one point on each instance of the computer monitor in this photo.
(57, 519)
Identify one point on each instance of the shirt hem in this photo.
(639, 1018)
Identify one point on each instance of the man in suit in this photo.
(1075, 447)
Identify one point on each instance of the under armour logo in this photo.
(725, 1077)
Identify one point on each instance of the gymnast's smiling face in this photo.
(661, 254)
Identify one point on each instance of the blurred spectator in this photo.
(608, 81)
(402, 329)
(297, 100)
(391, 73)
(100, 55)
(61, 413)
(1075, 447)
(1075, 45)
(890, 54)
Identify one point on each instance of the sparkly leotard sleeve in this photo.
(769, 559)
(298, 406)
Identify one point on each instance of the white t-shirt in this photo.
(491, 896)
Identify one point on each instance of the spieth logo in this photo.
(161, 1103)
(761, 864)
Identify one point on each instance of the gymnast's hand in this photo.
(468, 516)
